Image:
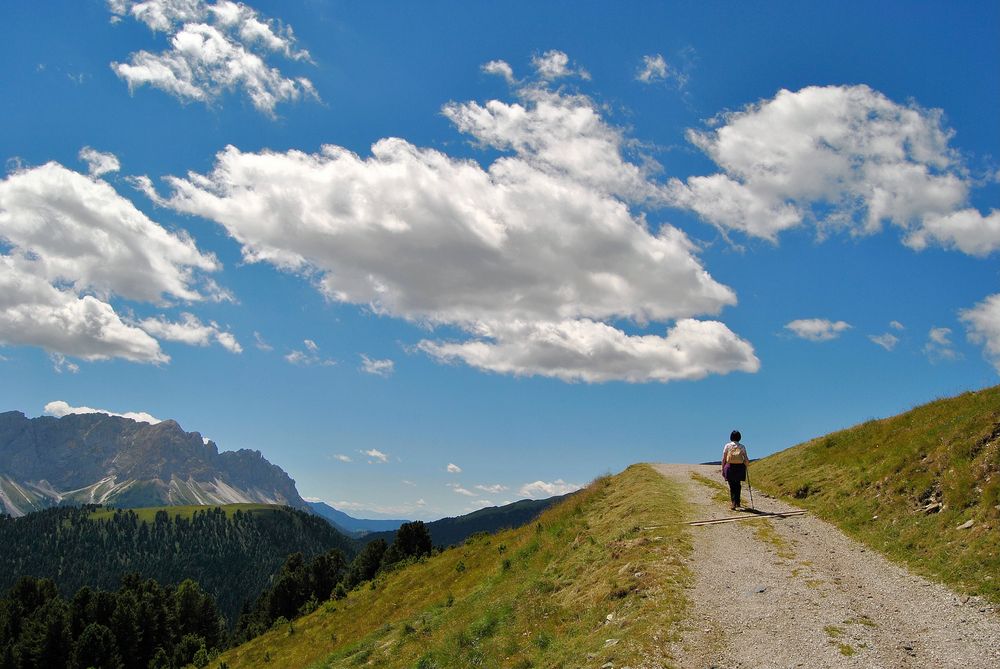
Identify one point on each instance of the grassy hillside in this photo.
(581, 586)
(904, 485)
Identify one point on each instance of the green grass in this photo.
(874, 481)
(539, 596)
(721, 491)
(148, 514)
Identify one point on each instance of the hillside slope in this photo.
(232, 551)
(582, 586)
(102, 459)
(922, 487)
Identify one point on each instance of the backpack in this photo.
(734, 456)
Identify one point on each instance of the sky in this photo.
(429, 257)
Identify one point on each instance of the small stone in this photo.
(875, 517)
(760, 589)
(707, 630)
(966, 525)
(610, 642)
(608, 665)
(609, 617)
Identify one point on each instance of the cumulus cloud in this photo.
(817, 329)
(542, 489)
(887, 341)
(540, 244)
(71, 243)
(190, 330)
(214, 47)
(376, 456)
(452, 468)
(342, 457)
(309, 357)
(376, 367)
(982, 322)
(99, 163)
(966, 230)
(584, 350)
(896, 325)
(939, 345)
(842, 157)
(500, 68)
(494, 489)
(59, 408)
(458, 489)
(554, 64)
(652, 70)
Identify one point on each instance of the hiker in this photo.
(734, 467)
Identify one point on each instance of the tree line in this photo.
(233, 555)
(146, 625)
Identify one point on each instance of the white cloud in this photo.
(896, 325)
(887, 341)
(456, 488)
(35, 313)
(817, 329)
(59, 408)
(60, 364)
(72, 245)
(190, 330)
(541, 242)
(500, 68)
(554, 64)
(542, 489)
(453, 468)
(844, 157)
(376, 367)
(261, 343)
(584, 350)
(99, 163)
(342, 457)
(939, 346)
(653, 69)
(494, 489)
(309, 357)
(982, 323)
(966, 230)
(213, 48)
(74, 230)
(376, 455)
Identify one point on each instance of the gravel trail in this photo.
(796, 592)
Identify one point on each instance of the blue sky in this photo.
(544, 240)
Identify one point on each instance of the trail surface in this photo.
(796, 592)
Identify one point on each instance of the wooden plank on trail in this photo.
(749, 516)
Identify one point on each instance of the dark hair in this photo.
(735, 435)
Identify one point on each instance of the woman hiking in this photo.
(734, 467)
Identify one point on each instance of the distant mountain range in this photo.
(351, 526)
(102, 459)
(449, 531)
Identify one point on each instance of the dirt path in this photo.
(796, 592)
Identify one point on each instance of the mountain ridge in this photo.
(100, 458)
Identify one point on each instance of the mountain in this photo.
(922, 487)
(233, 551)
(98, 458)
(353, 526)
(456, 529)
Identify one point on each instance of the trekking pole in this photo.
(751, 489)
